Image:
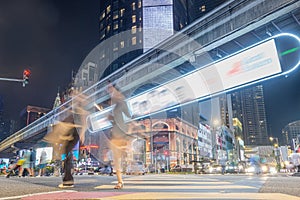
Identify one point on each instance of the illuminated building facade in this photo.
(291, 133)
(249, 108)
(163, 142)
(146, 23)
(32, 113)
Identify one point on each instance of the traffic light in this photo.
(26, 74)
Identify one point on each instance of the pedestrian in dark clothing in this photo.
(68, 180)
(65, 133)
(32, 161)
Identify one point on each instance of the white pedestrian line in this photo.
(213, 196)
(177, 187)
(147, 182)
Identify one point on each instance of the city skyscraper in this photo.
(142, 24)
(199, 8)
(249, 107)
(291, 134)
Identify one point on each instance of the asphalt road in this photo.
(187, 186)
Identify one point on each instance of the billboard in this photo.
(49, 153)
(275, 56)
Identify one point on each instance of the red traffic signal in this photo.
(26, 74)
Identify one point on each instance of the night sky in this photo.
(52, 38)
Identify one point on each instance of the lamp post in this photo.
(215, 140)
(276, 151)
(196, 158)
(238, 149)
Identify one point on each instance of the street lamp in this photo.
(215, 139)
(238, 148)
(276, 151)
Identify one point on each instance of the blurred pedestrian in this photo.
(119, 132)
(26, 164)
(42, 163)
(14, 166)
(65, 133)
(32, 161)
(223, 163)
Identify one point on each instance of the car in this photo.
(231, 168)
(135, 167)
(214, 169)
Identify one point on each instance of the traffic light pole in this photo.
(14, 80)
(11, 79)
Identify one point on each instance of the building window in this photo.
(203, 8)
(92, 70)
(116, 25)
(133, 29)
(133, 6)
(122, 12)
(115, 4)
(115, 15)
(108, 29)
(122, 44)
(133, 18)
(133, 41)
(102, 34)
(102, 15)
(108, 8)
(139, 4)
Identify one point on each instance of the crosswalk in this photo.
(166, 186)
(193, 187)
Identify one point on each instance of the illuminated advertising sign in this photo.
(75, 153)
(47, 150)
(273, 57)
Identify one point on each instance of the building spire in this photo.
(57, 101)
